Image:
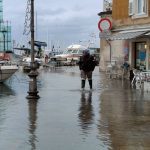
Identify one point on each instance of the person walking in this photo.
(87, 65)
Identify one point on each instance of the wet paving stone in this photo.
(114, 116)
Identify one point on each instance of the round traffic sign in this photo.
(104, 24)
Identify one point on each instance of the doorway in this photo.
(140, 55)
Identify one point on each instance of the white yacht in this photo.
(72, 53)
(6, 70)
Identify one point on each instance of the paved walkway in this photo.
(114, 116)
(125, 114)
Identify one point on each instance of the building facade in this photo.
(5, 32)
(129, 40)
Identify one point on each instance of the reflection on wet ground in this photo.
(86, 115)
(5, 90)
(32, 106)
(125, 116)
(114, 116)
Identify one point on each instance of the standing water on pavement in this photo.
(112, 116)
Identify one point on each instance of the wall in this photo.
(119, 9)
(117, 53)
(121, 17)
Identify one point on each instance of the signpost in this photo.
(105, 26)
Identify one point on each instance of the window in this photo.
(74, 51)
(141, 7)
(138, 8)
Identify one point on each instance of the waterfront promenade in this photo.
(114, 116)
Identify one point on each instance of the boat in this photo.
(72, 54)
(55, 62)
(26, 63)
(6, 71)
(6, 68)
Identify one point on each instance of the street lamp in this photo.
(32, 93)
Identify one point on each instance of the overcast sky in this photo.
(60, 22)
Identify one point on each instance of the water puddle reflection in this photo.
(114, 116)
(86, 114)
(32, 107)
(5, 90)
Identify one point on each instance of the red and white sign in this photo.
(104, 24)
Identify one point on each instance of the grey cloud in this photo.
(66, 20)
(51, 12)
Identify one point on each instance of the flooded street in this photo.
(114, 116)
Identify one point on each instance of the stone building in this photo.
(129, 37)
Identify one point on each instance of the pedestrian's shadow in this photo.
(86, 112)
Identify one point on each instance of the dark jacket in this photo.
(87, 63)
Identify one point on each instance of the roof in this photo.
(39, 43)
(76, 46)
(125, 36)
(22, 48)
(105, 13)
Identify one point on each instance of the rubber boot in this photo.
(83, 84)
(90, 84)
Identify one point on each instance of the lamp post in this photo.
(32, 93)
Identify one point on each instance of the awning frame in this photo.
(124, 35)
